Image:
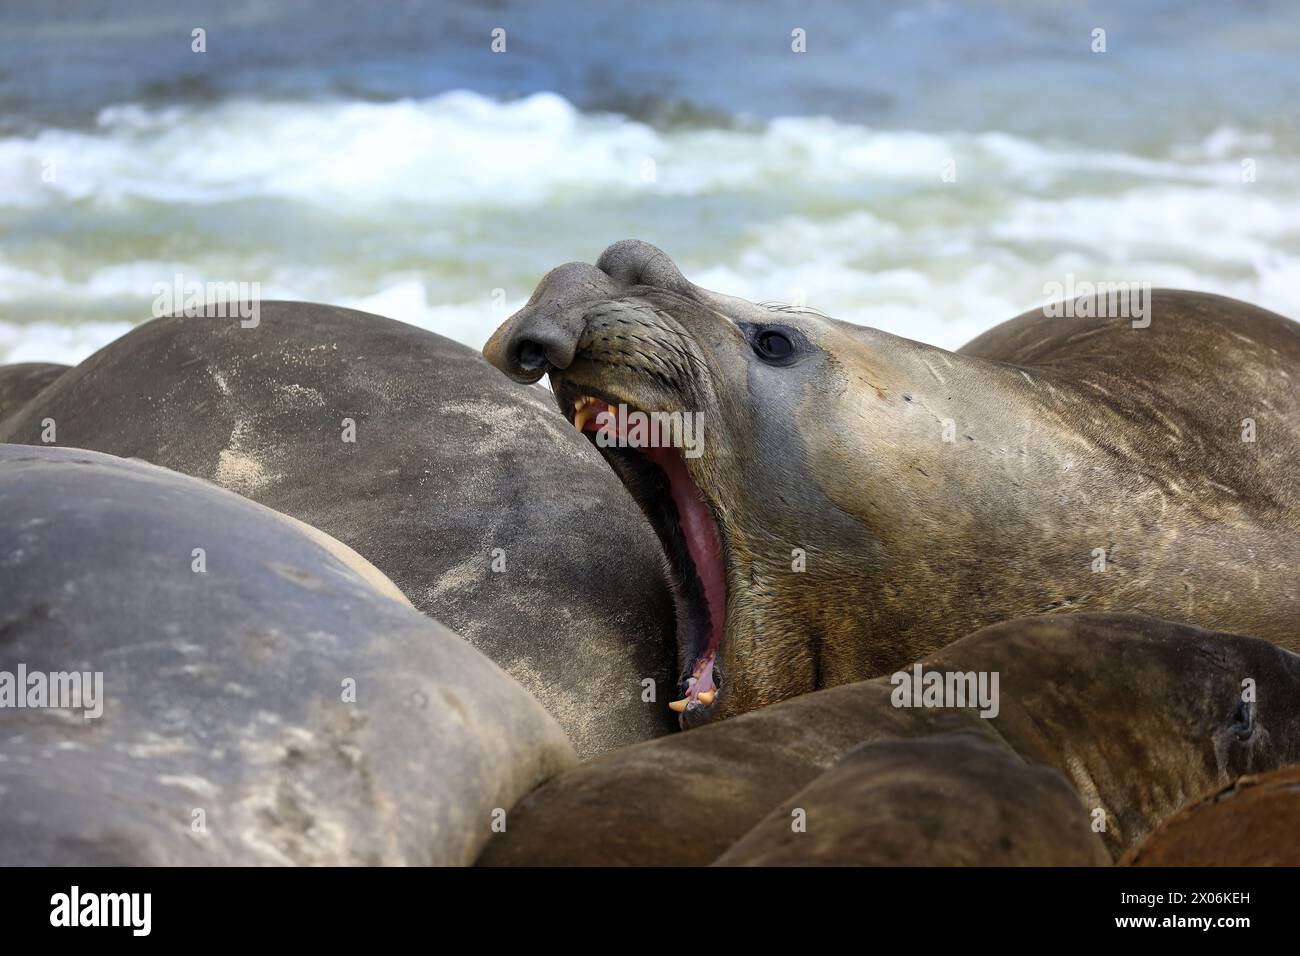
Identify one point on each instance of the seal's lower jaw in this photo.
(659, 480)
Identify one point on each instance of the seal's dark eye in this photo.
(773, 345)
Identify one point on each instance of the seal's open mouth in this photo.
(661, 483)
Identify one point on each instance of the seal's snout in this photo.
(544, 334)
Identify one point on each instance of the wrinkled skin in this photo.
(1140, 716)
(1253, 822)
(1071, 439)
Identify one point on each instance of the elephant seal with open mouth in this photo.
(855, 500)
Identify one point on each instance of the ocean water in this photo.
(925, 167)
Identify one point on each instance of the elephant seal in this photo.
(1252, 822)
(955, 799)
(858, 500)
(20, 381)
(465, 489)
(1140, 716)
(260, 701)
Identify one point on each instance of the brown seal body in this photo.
(1253, 822)
(955, 799)
(1139, 716)
(875, 498)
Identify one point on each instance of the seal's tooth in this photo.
(677, 705)
(582, 416)
(706, 697)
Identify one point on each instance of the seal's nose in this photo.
(544, 334)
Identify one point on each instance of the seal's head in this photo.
(710, 408)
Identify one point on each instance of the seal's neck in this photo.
(947, 468)
(938, 402)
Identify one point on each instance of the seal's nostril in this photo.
(531, 355)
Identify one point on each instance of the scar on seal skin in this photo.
(861, 499)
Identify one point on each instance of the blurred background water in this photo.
(381, 156)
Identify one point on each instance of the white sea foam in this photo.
(420, 210)
(51, 342)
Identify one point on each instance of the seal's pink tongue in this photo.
(702, 541)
